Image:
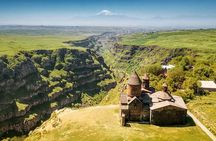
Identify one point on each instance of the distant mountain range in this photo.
(107, 20)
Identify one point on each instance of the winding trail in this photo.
(202, 126)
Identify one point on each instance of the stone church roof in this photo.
(145, 77)
(134, 79)
(161, 96)
(178, 102)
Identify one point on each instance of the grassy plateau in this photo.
(11, 44)
(203, 107)
(194, 39)
(102, 123)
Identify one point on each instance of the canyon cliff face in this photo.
(127, 57)
(35, 83)
(122, 59)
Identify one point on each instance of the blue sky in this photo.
(103, 12)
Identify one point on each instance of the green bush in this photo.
(191, 83)
(57, 74)
(185, 94)
(175, 78)
(37, 58)
(155, 69)
(59, 66)
(202, 71)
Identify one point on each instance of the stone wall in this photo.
(168, 116)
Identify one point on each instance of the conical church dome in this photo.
(161, 95)
(145, 77)
(134, 79)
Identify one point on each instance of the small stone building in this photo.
(208, 85)
(141, 103)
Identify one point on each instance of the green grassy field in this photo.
(102, 123)
(195, 39)
(11, 44)
(203, 107)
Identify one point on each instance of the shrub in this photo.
(185, 94)
(57, 74)
(37, 58)
(175, 78)
(186, 63)
(202, 71)
(155, 69)
(191, 83)
(59, 66)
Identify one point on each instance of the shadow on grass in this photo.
(189, 122)
(127, 125)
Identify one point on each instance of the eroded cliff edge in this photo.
(35, 83)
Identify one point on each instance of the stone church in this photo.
(143, 104)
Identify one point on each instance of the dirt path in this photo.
(202, 126)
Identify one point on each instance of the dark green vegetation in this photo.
(35, 83)
(192, 52)
(146, 53)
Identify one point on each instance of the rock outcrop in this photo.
(35, 83)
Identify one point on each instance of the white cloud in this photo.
(105, 13)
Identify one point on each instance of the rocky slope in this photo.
(35, 83)
(125, 58)
(98, 43)
(138, 56)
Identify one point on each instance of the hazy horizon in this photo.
(109, 13)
